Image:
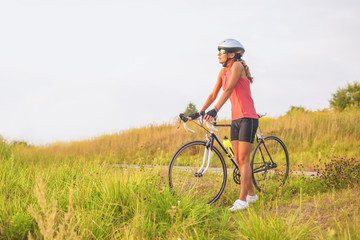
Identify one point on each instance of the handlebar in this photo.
(188, 129)
(210, 126)
(201, 122)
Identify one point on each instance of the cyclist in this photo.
(235, 78)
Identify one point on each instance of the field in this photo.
(81, 190)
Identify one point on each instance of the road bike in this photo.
(198, 168)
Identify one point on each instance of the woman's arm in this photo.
(237, 68)
(211, 98)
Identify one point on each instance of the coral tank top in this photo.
(242, 105)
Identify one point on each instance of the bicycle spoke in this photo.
(206, 186)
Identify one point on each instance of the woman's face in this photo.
(223, 56)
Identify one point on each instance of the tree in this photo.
(346, 97)
(296, 109)
(191, 108)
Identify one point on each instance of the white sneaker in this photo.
(238, 205)
(251, 199)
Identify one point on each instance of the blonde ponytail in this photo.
(247, 70)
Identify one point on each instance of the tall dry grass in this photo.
(309, 136)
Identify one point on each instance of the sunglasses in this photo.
(222, 51)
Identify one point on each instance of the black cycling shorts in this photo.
(244, 129)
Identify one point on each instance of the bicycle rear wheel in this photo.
(270, 164)
(186, 163)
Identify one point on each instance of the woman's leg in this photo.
(242, 152)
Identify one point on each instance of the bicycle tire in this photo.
(186, 162)
(265, 177)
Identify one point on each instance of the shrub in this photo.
(340, 173)
(295, 109)
(191, 108)
(347, 97)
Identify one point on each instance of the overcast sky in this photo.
(77, 69)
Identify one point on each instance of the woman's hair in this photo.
(246, 68)
(242, 61)
(247, 71)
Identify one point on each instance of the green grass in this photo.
(65, 199)
(74, 190)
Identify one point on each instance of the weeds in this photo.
(269, 223)
(45, 217)
(340, 172)
(136, 204)
(50, 227)
(336, 173)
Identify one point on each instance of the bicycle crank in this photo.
(236, 176)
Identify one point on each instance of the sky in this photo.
(76, 69)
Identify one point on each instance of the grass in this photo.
(65, 199)
(309, 136)
(74, 190)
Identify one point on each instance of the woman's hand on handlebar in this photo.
(210, 115)
(194, 116)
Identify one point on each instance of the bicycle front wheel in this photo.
(187, 176)
(270, 164)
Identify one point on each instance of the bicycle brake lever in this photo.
(201, 120)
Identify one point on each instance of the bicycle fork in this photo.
(207, 155)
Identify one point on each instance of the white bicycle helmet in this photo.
(232, 46)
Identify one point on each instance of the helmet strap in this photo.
(225, 63)
(227, 59)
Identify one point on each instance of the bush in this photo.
(340, 173)
(337, 173)
(347, 97)
(295, 109)
(191, 108)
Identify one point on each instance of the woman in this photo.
(235, 78)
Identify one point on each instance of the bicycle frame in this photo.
(207, 154)
(213, 137)
(210, 142)
(261, 140)
(269, 153)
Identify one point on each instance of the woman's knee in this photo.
(243, 159)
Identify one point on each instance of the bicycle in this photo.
(198, 168)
